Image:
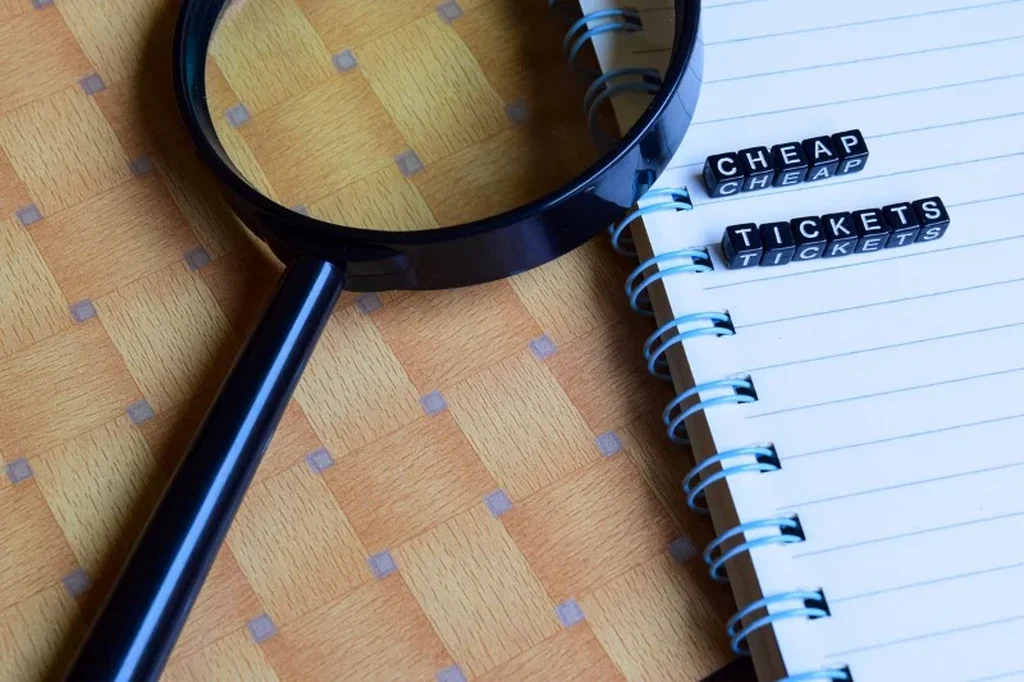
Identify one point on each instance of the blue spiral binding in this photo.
(813, 607)
(619, 19)
(694, 260)
(789, 529)
(743, 393)
(721, 325)
(695, 483)
(744, 460)
(666, 200)
(605, 86)
(616, 82)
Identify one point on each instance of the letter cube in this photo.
(777, 241)
(758, 171)
(790, 164)
(808, 237)
(823, 158)
(904, 223)
(853, 152)
(872, 230)
(742, 247)
(840, 233)
(723, 175)
(934, 218)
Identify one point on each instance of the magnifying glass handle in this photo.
(142, 616)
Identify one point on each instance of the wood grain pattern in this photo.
(59, 387)
(377, 632)
(574, 294)
(409, 480)
(269, 53)
(33, 631)
(477, 589)
(226, 601)
(500, 424)
(234, 657)
(603, 517)
(280, 537)
(572, 655)
(354, 390)
(478, 327)
(40, 57)
(63, 149)
(382, 198)
(36, 555)
(430, 83)
(650, 622)
(32, 306)
(170, 331)
(100, 488)
(118, 237)
(117, 40)
(439, 540)
(354, 138)
(602, 388)
(15, 194)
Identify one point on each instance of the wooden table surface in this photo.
(469, 484)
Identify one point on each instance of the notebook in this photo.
(871, 510)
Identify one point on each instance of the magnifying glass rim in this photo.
(193, 34)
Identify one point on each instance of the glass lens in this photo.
(414, 114)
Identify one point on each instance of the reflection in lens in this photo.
(400, 115)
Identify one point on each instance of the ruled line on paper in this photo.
(896, 133)
(939, 633)
(850, 62)
(894, 391)
(902, 344)
(867, 22)
(902, 536)
(899, 486)
(815, 29)
(997, 676)
(851, 25)
(865, 60)
(987, 100)
(855, 100)
(879, 304)
(924, 583)
(733, 3)
(903, 436)
(859, 178)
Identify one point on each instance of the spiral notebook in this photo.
(857, 422)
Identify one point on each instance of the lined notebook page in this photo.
(892, 383)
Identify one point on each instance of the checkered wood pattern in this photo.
(468, 484)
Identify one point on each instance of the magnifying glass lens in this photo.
(399, 115)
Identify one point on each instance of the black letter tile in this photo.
(822, 157)
(757, 169)
(790, 164)
(808, 236)
(723, 175)
(934, 218)
(872, 230)
(741, 245)
(840, 233)
(903, 221)
(853, 152)
(778, 244)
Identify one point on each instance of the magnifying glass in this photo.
(419, 146)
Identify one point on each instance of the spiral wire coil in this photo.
(752, 459)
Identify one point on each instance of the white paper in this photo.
(891, 383)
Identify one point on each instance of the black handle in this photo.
(142, 617)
